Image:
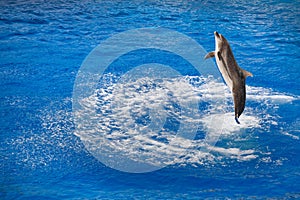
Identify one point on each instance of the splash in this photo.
(122, 124)
(145, 124)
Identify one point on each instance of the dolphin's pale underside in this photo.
(233, 75)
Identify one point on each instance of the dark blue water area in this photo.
(42, 46)
(128, 61)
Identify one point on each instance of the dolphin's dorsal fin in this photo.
(246, 73)
(210, 55)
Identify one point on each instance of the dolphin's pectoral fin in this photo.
(210, 55)
(246, 73)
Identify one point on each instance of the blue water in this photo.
(43, 44)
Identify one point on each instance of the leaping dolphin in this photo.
(233, 75)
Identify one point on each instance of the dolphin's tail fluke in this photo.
(237, 119)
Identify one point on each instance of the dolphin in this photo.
(233, 75)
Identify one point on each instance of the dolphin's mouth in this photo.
(217, 34)
(218, 40)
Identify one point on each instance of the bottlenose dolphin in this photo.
(233, 75)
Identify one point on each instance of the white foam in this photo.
(213, 122)
(242, 155)
(119, 118)
(291, 135)
(261, 94)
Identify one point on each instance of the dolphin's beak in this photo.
(216, 34)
